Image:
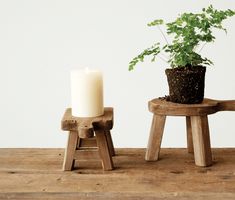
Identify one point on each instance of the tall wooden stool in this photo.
(198, 137)
(89, 138)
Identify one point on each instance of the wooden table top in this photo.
(37, 174)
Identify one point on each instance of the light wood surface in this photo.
(155, 138)
(88, 142)
(189, 135)
(70, 151)
(85, 126)
(36, 174)
(83, 144)
(226, 105)
(85, 154)
(201, 141)
(104, 151)
(207, 107)
(197, 127)
(110, 142)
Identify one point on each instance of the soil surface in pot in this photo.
(186, 84)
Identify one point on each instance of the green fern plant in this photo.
(189, 31)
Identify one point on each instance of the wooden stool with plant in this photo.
(186, 80)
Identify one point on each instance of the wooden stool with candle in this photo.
(89, 138)
(198, 138)
(88, 122)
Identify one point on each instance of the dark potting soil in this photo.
(186, 84)
(166, 98)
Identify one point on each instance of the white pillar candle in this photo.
(87, 93)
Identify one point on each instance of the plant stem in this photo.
(162, 34)
(162, 58)
(165, 56)
(202, 47)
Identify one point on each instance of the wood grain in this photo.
(104, 151)
(226, 105)
(201, 141)
(70, 151)
(86, 125)
(198, 138)
(110, 142)
(155, 138)
(88, 142)
(189, 135)
(86, 145)
(207, 107)
(36, 174)
(87, 154)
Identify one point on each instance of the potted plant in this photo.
(191, 32)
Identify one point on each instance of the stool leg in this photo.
(110, 142)
(79, 142)
(201, 141)
(70, 151)
(189, 135)
(155, 138)
(102, 144)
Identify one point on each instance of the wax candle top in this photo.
(85, 70)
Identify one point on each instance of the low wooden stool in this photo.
(198, 137)
(83, 145)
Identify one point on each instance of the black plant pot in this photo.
(186, 84)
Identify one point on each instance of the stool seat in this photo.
(208, 106)
(198, 137)
(86, 125)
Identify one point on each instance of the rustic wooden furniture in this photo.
(89, 138)
(35, 174)
(198, 138)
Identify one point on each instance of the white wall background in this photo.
(41, 41)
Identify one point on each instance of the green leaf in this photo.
(156, 22)
(188, 31)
